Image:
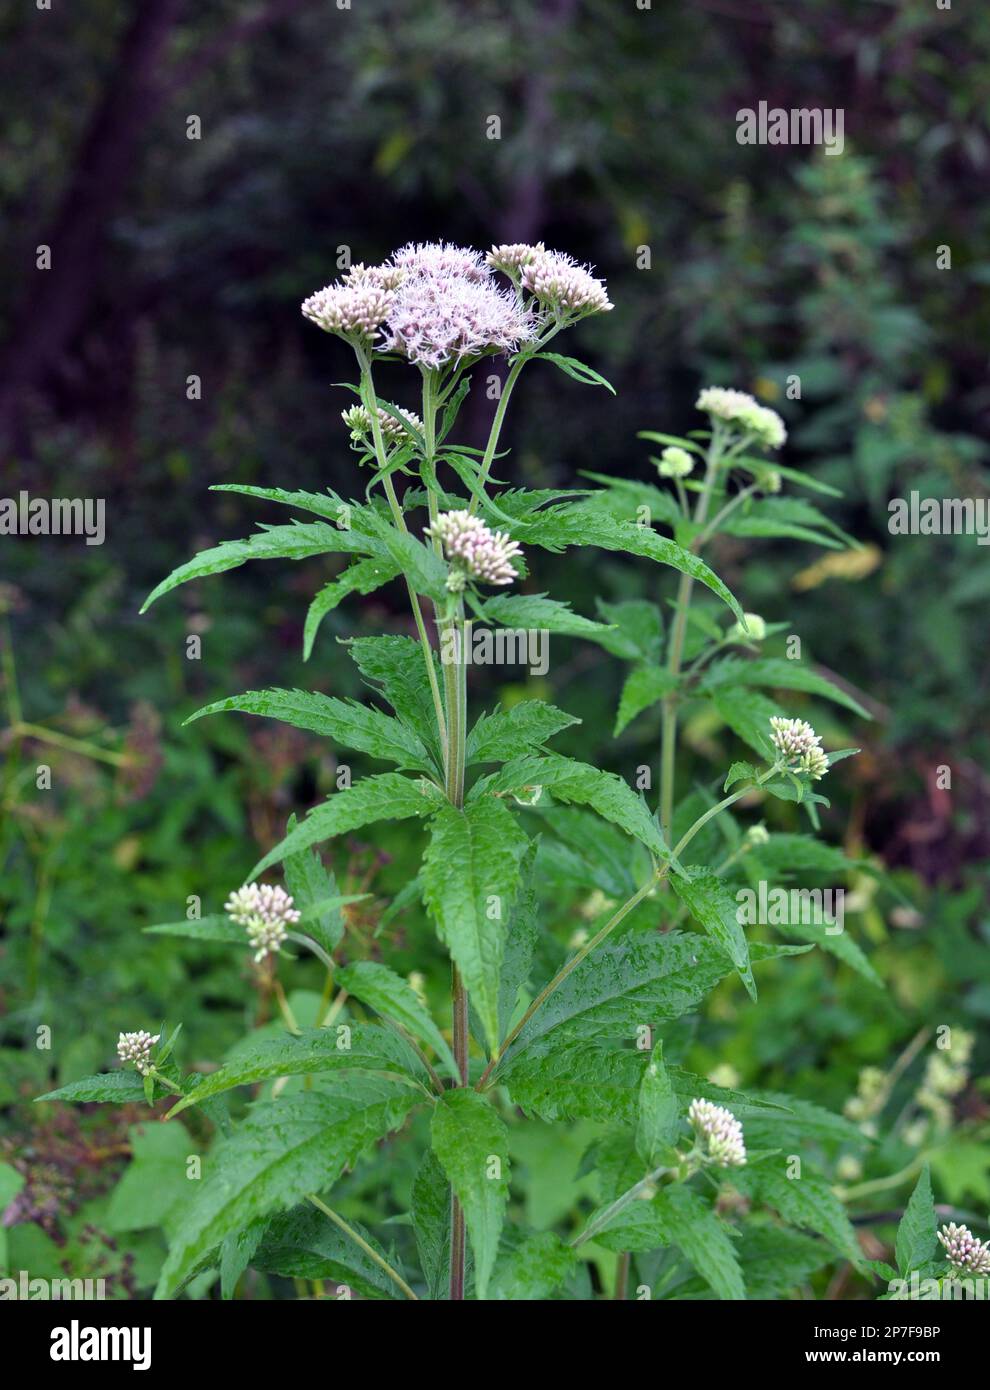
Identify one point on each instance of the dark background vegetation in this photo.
(363, 128)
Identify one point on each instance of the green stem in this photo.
(362, 1244)
(599, 1222)
(496, 429)
(371, 403)
(675, 650)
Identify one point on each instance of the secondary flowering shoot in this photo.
(474, 550)
(675, 463)
(266, 913)
(356, 307)
(799, 746)
(561, 286)
(136, 1048)
(721, 1132)
(357, 418)
(963, 1250)
(744, 412)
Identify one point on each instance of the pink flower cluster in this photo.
(448, 307)
(265, 913)
(474, 549)
(964, 1250)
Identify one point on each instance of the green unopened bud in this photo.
(754, 631)
(675, 463)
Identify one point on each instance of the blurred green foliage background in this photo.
(325, 128)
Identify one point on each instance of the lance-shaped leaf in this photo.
(916, 1235)
(115, 1087)
(571, 781)
(392, 997)
(470, 878)
(387, 796)
(283, 1151)
(775, 672)
(585, 524)
(748, 715)
(346, 722)
(501, 736)
(471, 1142)
(295, 542)
(396, 666)
(624, 986)
(534, 1269)
(305, 1244)
(362, 577)
(644, 686)
(326, 504)
(312, 1051)
(805, 1199)
(538, 611)
(659, 1110)
(430, 1212)
(691, 1224)
(314, 891)
(711, 904)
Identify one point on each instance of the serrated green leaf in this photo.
(501, 736)
(396, 666)
(659, 1110)
(738, 772)
(215, 927)
(313, 1051)
(691, 1225)
(534, 1269)
(386, 796)
(116, 1087)
(299, 541)
(326, 504)
(778, 673)
(430, 1212)
(314, 889)
(536, 611)
(344, 721)
(305, 1244)
(712, 905)
(284, 1150)
(362, 577)
(916, 1235)
(644, 686)
(636, 629)
(571, 781)
(806, 1201)
(748, 715)
(470, 876)
(392, 997)
(585, 524)
(471, 1142)
(580, 371)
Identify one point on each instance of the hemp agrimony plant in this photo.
(701, 1188)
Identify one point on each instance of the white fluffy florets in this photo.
(800, 746)
(741, 409)
(721, 1131)
(265, 912)
(511, 257)
(675, 463)
(136, 1048)
(448, 306)
(474, 549)
(963, 1250)
(353, 310)
(560, 284)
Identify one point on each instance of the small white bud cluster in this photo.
(675, 463)
(474, 550)
(963, 1250)
(721, 1131)
(743, 410)
(511, 258)
(357, 418)
(800, 745)
(756, 835)
(136, 1048)
(265, 912)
